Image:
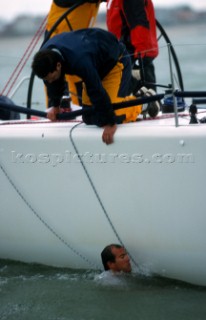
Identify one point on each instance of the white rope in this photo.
(97, 194)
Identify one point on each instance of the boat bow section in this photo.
(65, 195)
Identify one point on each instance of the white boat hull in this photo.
(146, 190)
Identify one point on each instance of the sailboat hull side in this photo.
(64, 195)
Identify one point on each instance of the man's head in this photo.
(47, 65)
(115, 258)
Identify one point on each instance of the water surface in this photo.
(30, 292)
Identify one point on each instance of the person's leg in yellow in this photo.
(116, 84)
(82, 17)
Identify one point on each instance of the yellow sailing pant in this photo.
(112, 83)
(82, 17)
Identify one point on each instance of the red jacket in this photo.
(133, 22)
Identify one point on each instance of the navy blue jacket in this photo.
(89, 54)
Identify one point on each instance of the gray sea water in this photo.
(30, 292)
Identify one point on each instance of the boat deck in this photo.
(162, 119)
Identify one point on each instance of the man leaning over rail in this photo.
(83, 16)
(102, 62)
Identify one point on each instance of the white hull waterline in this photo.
(146, 190)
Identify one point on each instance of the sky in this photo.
(17, 7)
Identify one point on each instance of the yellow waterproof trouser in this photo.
(82, 17)
(111, 84)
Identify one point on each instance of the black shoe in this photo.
(152, 108)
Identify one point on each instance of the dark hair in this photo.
(44, 62)
(108, 256)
